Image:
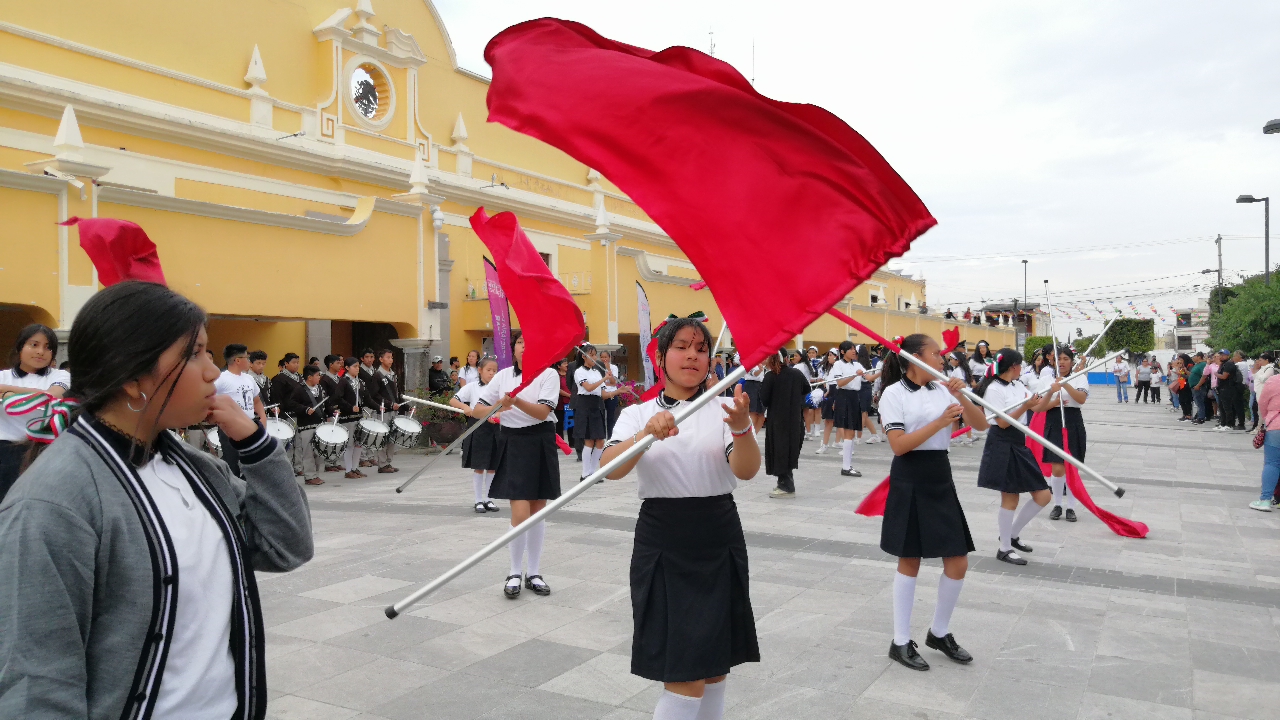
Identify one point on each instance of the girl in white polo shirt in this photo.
(689, 577)
(31, 370)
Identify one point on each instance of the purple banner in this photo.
(500, 316)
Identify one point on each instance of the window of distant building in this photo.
(370, 96)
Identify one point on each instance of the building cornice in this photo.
(29, 181)
(647, 273)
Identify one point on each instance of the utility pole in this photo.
(1024, 283)
(1219, 241)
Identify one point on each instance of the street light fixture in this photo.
(1266, 225)
(1271, 128)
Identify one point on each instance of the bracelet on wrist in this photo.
(734, 433)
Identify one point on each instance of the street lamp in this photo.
(1024, 283)
(1271, 128)
(1266, 226)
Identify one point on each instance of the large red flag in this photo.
(731, 175)
(119, 249)
(550, 321)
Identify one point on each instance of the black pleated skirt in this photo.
(480, 449)
(848, 409)
(589, 419)
(922, 515)
(690, 599)
(752, 389)
(1053, 433)
(527, 468)
(1007, 463)
(828, 405)
(864, 399)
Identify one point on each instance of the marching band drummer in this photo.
(387, 391)
(528, 474)
(31, 370)
(331, 383)
(317, 402)
(287, 394)
(480, 449)
(350, 401)
(690, 599)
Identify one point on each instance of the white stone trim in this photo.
(647, 273)
(34, 183)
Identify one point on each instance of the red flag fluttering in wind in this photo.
(550, 321)
(727, 172)
(119, 249)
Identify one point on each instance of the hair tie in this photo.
(55, 414)
(898, 340)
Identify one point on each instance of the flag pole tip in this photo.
(1119, 492)
(399, 490)
(391, 612)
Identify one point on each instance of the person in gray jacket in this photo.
(127, 557)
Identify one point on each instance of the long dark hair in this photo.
(895, 371)
(864, 356)
(28, 332)
(1005, 359)
(515, 364)
(667, 335)
(826, 361)
(963, 363)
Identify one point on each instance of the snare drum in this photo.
(405, 431)
(213, 443)
(330, 442)
(282, 431)
(371, 433)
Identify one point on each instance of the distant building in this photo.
(1191, 327)
(1026, 320)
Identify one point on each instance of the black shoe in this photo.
(480, 508)
(511, 591)
(1010, 557)
(1071, 515)
(907, 655)
(850, 473)
(1056, 514)
(489, 506)
(947, 646)
(541, 588)
(1019, 545)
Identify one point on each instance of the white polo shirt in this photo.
(842, 370)
(1003, 394)
(14, 429)
(544, 389)
(1079, 383)
(911, 407)
(588, 375)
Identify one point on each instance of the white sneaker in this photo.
(1223, 428)
(1263, 505)
(873, 439)
(821, 449)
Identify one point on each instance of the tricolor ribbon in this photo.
(55, 414)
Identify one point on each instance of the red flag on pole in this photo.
(119, 249)
(549, 319)
(724, 170)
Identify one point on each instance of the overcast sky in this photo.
(1029, 129)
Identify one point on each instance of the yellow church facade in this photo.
(306, 171)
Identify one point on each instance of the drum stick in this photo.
(624, 457)
(452, 445)
(420, 401)
(974, 398)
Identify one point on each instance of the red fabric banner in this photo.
(728, 173)
(119, 249)
(550, 321)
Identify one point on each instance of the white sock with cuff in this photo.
(676, 707)
(904, 596)
(712, 707)
(948, 594)
(848, 455)
(517, 547)
(477, 485)
(536, 535)
(1024, 516)
(1004, 518)
(1057, 484)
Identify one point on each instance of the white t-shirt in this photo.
(1003, 395)
(977, 368)
(613, 370)
(14, 429)
(1121, 370)
(240, 387)
(588, 375)
(199, 675)
(841, 370)
(1079, 383)
(694, 463)
(956, 372)
(902, 408)
(544, 389)
(469, 394)
(469, 375)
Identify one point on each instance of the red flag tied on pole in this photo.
(549, 319)
(119, 249)
(727, 172)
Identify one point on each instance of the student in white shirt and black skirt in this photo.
(1007, 463)
(844, 382)
(1071, 396)
(590, 423)
(480, 449)
(922, 514)
(528, 473)
(690, 598)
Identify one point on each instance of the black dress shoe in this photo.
(541, 588)
(948, 646)
(1019, 545)
(1071, 515)
(1056, 514)
(907, 655)
(1010, 557)
(480, 508)
(511, 591)
(850, 473)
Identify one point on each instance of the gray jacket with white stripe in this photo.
(89, 581)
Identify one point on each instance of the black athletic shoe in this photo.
(907, 655)
(851, 473)
(948, 646)
(1010, 557)
(1056, 514)
(1071, 515)
(1019, 545)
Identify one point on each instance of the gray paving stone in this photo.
(531, 663)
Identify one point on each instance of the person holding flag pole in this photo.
(1063, 426)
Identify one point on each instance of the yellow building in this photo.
(306, 170)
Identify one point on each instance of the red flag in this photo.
(560, 442)
(119, 249)
(950, 339)
(725, 171)
(550, 321)
(873, 504)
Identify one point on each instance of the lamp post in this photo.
(1266, 225)
(1024, 283)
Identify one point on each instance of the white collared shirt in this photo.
(841, 370)
(469, 375)
(907, 409)
(1079, 383)
(588, 375)
(544, 389)
(1003, 394)
(14, 429)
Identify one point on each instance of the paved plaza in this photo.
(1183, 624)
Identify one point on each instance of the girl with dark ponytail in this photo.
(1062, 401)
(922, 514)
(1007, 464)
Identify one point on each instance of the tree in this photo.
(1248, 321)
(1082, 344)
(1034, 343)
(1133, 334)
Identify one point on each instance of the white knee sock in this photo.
(488, 483)
(478, 485)
(713, 701)
(535, 535)
(1057, 483)
(848, 455)
(588, 461)
(1004, 518)
(1024, 516)
(676, 707)
(597, 455)
(517, 547)
(904, 596)
(948, 594)
(1070, 501)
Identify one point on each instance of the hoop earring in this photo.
(129, 403)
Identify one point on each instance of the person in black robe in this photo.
(783, 392)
